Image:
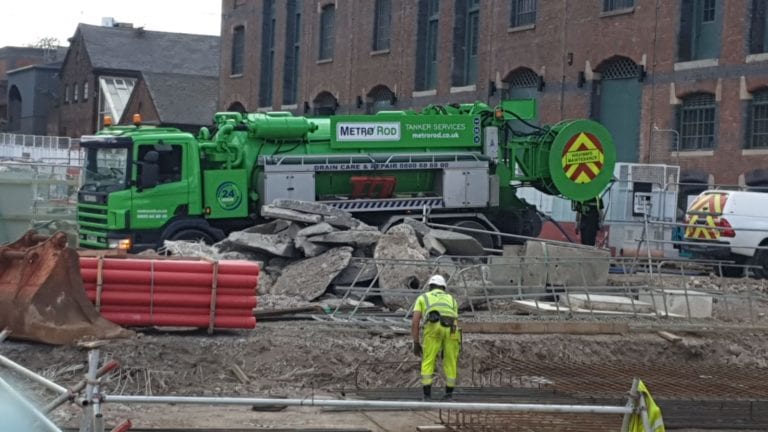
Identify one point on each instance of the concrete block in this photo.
(275, 244)
(309, 248)
(557, 265)
(678, 301)
(507, 269)
(605, 303)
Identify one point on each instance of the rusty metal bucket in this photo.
(42, 297)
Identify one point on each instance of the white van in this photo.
(729, 225)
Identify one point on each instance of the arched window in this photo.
(757, 127)
(696, 121)
(522, 83)
(325, 104)
(14, 109)
(381, 98)
(618, 67)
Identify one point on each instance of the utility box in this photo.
(465, 187)
(287, 185)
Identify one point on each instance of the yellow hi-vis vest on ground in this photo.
(438, 301)
(654, 413)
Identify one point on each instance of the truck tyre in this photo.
(193, 235)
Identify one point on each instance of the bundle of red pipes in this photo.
(150, 292)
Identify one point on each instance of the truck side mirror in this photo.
(150, 171)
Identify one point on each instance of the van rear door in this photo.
(704, 219)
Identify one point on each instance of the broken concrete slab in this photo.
(310, 249)
(506, 270)
(273, 244)
(309, 207)
(358, 271)
(311, 277)
(549, 264)
(458, 243)
(605, 303)
(273, 227)
(313, 230)
(273, 212)
(679, 302)
(433, 245)
(401, 243)
(352, 237)
(420, 227)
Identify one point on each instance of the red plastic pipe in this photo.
(175, 310)
(172, 266)
(168, 278)
(133, 319)
(176, 300)
(245, 292)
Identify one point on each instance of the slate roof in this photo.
(183, 99)
(134, 49)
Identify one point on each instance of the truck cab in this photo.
(140, 185)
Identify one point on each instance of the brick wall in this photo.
(77, 118)
(569, 37)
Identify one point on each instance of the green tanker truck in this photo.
(457, 164)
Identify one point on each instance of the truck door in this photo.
(160, 190)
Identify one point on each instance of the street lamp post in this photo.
(677, 140)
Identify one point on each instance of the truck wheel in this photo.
(193, 235)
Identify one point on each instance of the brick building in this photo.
(105, 64)
(661, 75)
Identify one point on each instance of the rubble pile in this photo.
(308, 249)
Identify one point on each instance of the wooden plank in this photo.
(546, 327)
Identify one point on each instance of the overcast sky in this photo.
(24, 22)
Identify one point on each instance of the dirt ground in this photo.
(301, 359)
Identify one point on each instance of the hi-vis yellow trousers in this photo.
(436, 339)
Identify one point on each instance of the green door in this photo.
(154, 205)
(620, 113)
(706, 38)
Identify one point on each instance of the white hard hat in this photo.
(437, 280)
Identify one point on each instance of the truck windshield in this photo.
(105, 169)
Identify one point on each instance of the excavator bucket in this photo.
(42, 297)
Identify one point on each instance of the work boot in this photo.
(448, 396)
(427, 393)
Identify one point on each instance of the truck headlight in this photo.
(122, 244)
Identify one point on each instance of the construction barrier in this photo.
(150, 292)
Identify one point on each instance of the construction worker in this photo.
(588, 220)
(440, 312)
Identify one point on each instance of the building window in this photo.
(426, 49)
(700, 27)
(382, 25)
(327, 17)
(75, 92)
(466, 32)
(292, 53)
(523, 13)
(612, 5)
(708, 11)
(66, 94)
(758, 37)
(238, 50)
(757, 129)
(267, 53)
(85, 91)
(696, 120)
